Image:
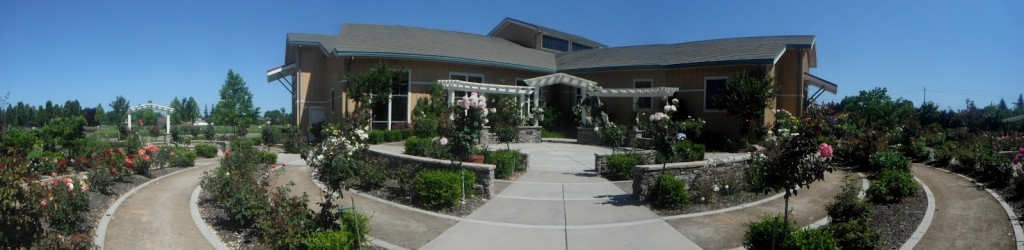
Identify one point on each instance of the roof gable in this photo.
(731, 51)
(550, 31)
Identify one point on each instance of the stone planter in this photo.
(527, 134)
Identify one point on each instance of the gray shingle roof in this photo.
(546, 29)
(746, 50)
(414, 43)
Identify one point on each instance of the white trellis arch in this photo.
(166, 109)
(590, 88)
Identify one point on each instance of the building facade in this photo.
(315, 68)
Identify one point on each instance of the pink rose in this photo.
(825, 150)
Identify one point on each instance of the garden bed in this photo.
(725, 201)
(892, 232)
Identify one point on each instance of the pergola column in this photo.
(129, 121)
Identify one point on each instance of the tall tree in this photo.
(101, 115)
(1019, 105)
(119, 111)
(928, 113)
(176, 116)
(235, 107)
(1002, 104)
(746, 97)
(206, 112)
(193, 110)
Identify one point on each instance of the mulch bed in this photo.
(725, 201)
(895, 222)
(396, 195)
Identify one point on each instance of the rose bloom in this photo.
(443, 141)
(825, 149)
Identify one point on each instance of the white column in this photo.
(451, 97)
(168, 128)
(129, 120)
(389, 113)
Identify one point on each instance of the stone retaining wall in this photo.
(527, 134)
(484, 172)
(645, 176)
(645, 156)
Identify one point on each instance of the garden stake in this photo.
(355, 222)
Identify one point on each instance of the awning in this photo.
(636, 92)
(281, 72)
(560, 78)
(820, 83)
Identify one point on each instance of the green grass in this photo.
(544, 133)
(110, 131)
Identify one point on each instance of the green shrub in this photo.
(286, 221)
(270, 136)
(761, 233)
(291, 139)
(256, 141)
(268, 157)
(889, 159)
(918, 150)
(209, 132)
(847, 206)
(206, 150)
(544, 133)
(20, 224)
(670, 193)
(892, 185)
(506, 134)
(620, 167)
(17, 142)
(183, 157)
(425, 127)
(376, 137)
(854, 235)
(439, 189)
(506, 162)
(687, 150)
(356, 224)
(754, 175)
(613, 135)
(812, 238)
(68, 211)
(417, 146)
(995, 168)
(234, 185)
(372, 175)
(329, 240)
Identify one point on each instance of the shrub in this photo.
(506, 162)
(438, 189)
(755, 177)
(417, 146)
(812, 238)
(372, 175)
(183, 157)
(234, 185)
(68, 211)
(854, 235)
(847, 206)
(995, 168)
(209, 133)
(291, 139)
(100, 180)
(329, 240)
(376, 137)
(268, 158)
(17, 142)
(918, 150)
(287, 220)
(425, 127)
(687, 150)
(613, 135)
(761, 233)
(206, 150)
(891, 185)
(355, 224)
(270, 136)
(620, 167)
(20, 225)
(670, 193)
(506, 134)
(888, 160)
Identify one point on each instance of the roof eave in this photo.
(441, 59)
(671, 66)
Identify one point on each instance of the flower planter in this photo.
(476, 159)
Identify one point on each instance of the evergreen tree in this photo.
(1019, 105)
(235, 107)
(72, 108)
(119, 111)
(176, 116)
(1002, 104)
(101, 115)
(193, 110)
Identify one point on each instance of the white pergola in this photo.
(167, 114)
(458, 85)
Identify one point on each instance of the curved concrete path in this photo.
(561, 204)
(157, 216)
(966, 216)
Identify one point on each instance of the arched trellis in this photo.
(167, 114)
(589, 88)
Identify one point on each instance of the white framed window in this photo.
(396, 111)
(713, 86)
(462, 76)
(644, 103)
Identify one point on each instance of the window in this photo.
(577, 46)
(387, 115)
(713, 86)
(554, 43)
(469, 77)
(644, 102)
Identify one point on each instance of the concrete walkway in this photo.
(966, 216)
(561, 204)
(157, 216)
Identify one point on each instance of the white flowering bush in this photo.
(337, 157)
(469, 117)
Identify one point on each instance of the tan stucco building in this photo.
(315, 67)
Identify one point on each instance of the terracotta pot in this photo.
(476, 159)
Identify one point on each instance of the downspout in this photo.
(800, 83)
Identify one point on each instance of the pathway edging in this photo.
(864, 185)
(926, 222)
(1018, 233)
(204, 227)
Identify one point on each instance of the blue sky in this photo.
(155, 50)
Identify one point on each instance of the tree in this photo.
(1019, 105)
(206, 112)
(928, 113)
(746, 96)
(276, 117)
(192, 110)
(72, 108)
(119, 111)
(375, 86)
(1002, 104)
(235, 106)
(176, 115)
(101, 116)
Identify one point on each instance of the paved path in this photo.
(157, 216)
(561, 204)
(966, 216)
(389, 223)
(725, 230)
